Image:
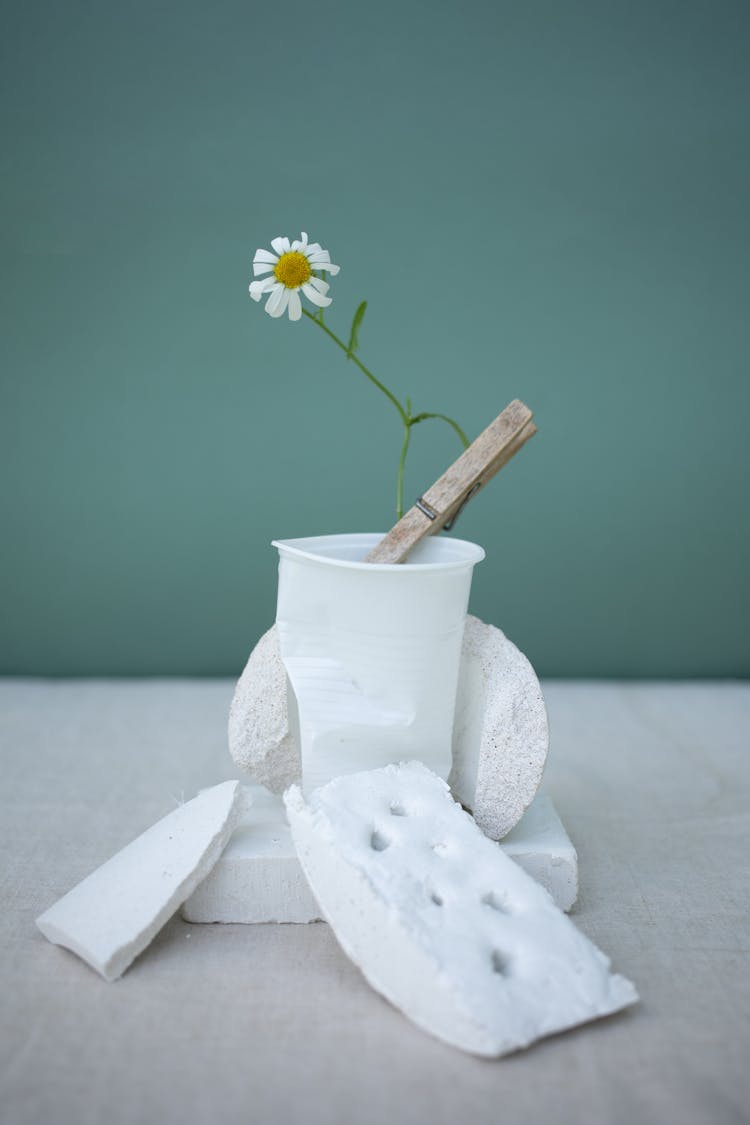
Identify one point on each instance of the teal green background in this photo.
(540, 200)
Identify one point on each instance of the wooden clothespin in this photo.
(440, 506)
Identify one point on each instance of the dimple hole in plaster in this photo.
(436, 898)
(500, 963)
(441, 848)
(495, 902)
(379, 842)
(397, 809)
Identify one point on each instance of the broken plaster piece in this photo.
(500, 731)
(262, 739)
(113, 914)
(439, 919)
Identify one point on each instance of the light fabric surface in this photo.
(271, 1025)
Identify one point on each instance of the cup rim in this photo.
(294, 548)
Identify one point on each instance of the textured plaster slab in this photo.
(113, 914)
(258, 878)
(440, 920)
(500, 733)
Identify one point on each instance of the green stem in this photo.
(388, 394)
(401, 463)
(422, 417)
(408, 420)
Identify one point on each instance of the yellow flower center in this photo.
(292, 269)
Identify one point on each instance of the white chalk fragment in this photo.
(258, 877)
(500, 732)
(439, 919)
(113, 914)
(262, 737)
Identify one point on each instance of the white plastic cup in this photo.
(372, 650)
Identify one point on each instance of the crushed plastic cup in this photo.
(372, 651)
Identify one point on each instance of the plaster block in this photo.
(500, 731)
(438, 918)
(262, 736)
(259, 877)
(112, 915)
(541, 846)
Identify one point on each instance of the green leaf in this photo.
(354, 334)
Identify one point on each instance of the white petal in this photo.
(278, 301)
(322, 261)
(258, 288)
(275, 292)
(265, 286)
(259, 268)
(320, 285)
(300, 243)
(280, 244)
(327, 266)
(314, 248)
(316, 297)
(295, 305)
(265, 256)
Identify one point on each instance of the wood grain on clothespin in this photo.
(441, 504)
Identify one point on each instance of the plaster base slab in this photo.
(259, 878)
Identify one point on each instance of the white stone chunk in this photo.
(258, 877)
(113, 914)
(262, 737)
(439, 919)
(500, 732)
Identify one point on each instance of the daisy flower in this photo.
(291, 268)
